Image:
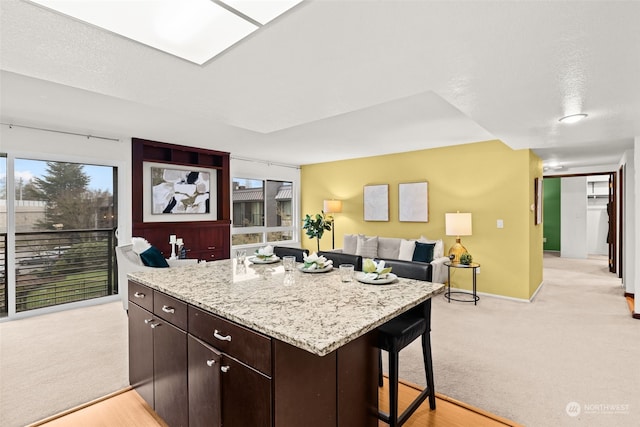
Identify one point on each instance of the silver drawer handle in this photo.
(138, 295)
(211, 362)
(224, 368)
(147, 321)
(216, 334)
(154, 325)
(168, 309)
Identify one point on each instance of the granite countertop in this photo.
(315, 312)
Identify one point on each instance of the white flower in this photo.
(313, 261)
(265, 252)
(375, 270)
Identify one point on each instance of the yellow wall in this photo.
(488, 179)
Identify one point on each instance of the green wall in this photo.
(551, 215)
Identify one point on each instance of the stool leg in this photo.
(380, 379)
(428, 367)
(393, 388)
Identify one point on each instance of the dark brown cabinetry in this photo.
(204, 384)
(158, 353)
(210, 371)
(207, 239)
(245, 380)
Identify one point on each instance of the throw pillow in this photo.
(423, 252)
(407, 247)
(350, 242)
(367, 247)
(438, 251)
(139, 244)
(152, 257)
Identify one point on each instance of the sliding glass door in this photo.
(59, 224)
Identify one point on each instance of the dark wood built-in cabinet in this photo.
(205, 240)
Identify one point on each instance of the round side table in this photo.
(474, 267)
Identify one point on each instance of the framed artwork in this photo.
(413, 198)
(537, 185)
(174, 193)
(376, 202)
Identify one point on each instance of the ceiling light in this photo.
(572, 118)
(195, 30)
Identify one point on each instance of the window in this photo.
(3, 235)
(262, 211)
(64, 216)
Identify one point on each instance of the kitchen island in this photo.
(283, 349)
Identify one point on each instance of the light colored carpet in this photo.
(57, 361)
(577, 342)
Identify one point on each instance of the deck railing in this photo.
(3, 275)
(58, 267)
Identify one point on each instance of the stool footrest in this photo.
(409, 411)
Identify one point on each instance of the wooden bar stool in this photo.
(395, 335)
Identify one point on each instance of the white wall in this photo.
(573, 208)
(633, 221)
(597, 229)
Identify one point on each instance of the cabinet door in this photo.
(170, 374)
(141, 352)
(246, 395)
(204, 385)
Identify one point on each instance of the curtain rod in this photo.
(266, 162)
(12, 125)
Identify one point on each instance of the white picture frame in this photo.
(376, 202)
(413, 202)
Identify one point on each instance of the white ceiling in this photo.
(332, 79)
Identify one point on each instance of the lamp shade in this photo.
(458, 224)
(332, 206)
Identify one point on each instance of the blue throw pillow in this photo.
(423, 252)
(153, 258)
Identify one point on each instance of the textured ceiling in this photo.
(352, 78)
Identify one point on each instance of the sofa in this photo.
(404, 256)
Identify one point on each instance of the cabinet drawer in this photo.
(170, 309)
(246, 345)
(141, 295)
(207, 255)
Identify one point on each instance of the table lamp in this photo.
(331, 207)
(457, 224)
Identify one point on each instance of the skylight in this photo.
(195, 30)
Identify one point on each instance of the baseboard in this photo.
(486, 294)
(535, 293)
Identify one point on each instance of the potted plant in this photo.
(466, 258)
(315, 226)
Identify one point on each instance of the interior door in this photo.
(611, 234)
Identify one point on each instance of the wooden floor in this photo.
(630, 302)
(126, 408)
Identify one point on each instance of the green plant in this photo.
(315, 226)
(466, 258)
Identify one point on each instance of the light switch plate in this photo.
(500, 223)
